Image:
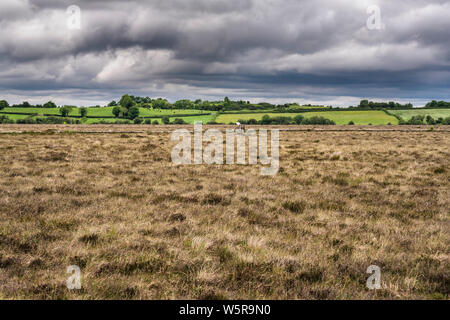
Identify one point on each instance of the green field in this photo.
(227, 118)
(163, 112)
(291, 109)
(340, 117)
(192, 120)
(435, 113)
(54, 111)
(15, 116)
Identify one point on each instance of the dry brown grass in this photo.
(141, 228)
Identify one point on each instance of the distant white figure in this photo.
(240, 126)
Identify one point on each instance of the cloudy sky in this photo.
(310, 51)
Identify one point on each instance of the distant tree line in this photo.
(421, 119)
(367, 105)
(224, 105)
(26, 104)
(437, 105)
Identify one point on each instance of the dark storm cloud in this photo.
(262, 49)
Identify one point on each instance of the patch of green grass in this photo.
(248, 111)
(192, 120)
(340, 117)
(358, 117)
(143, 112)
(16, 116)
(32, 110)
(435, 113)
(290, 109)
(97, 120)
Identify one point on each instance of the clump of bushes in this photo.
(420, 120)
(318, 120)
(165, 120)
(50, 120)
(445, 121)
(179, 121)
(416, 120)
(47, 120)
(5, 120)
(430, 120)
(26, 121)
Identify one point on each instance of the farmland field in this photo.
(192, 120)
(15, 116)
(140, 227)
(273, 110)
(228, 118)
(435, 113)
(340, 117)
(162, 112)
(54, 111)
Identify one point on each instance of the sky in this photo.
(307, 51)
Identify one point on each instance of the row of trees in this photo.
(46, 120)
(420, 119)
(225, 105)
(26, 104)
(66, 110)
(366, 104)
(229, 105)
(437, 104)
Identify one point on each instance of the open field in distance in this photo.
(140, 227)
(340, 117)
(435, 113)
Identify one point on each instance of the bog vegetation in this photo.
(140, 227)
